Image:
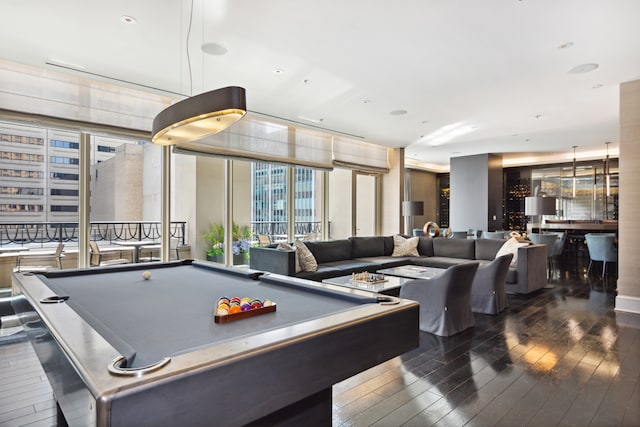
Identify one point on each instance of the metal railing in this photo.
(279, 228)
(40, 233)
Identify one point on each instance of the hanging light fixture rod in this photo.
(574, 170)
(607, 175)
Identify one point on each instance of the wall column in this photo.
(476, 192)
(628, 298)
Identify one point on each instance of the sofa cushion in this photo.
(287, 247)
(367, 246)
(388, 245)
(305, 257)
(320, 274)
(349, 266)
(381, 262)
(425, 246)
(487, 248)
(444, 262)
(511, 247)
(405, 247)
(454, 248)
(330, 250)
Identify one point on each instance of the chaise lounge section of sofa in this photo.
(345, 256)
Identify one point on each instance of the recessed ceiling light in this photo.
(126, 19)
(565, 45)
(366, 101)
(398, 112)
(278, 71)
(583, 68)
(214, 49)
(597, 86)
(538, 116)
(424, 122)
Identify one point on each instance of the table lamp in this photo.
(539, 206)
(410, 209)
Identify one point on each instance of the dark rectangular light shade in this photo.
(412, 208)
(540, 206)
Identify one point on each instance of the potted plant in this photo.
(241, 243)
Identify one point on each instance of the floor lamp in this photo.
(410, 209)
(539, 206)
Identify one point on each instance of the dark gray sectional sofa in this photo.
(345, 256)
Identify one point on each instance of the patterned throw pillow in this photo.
(405, 247)
(307, 260)
(288, 247)
(511, 247)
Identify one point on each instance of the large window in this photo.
(270, 195)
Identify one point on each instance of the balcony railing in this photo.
(35, 234)
(279, 228)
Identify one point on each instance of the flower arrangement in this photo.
(241, 236)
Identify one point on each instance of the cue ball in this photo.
(146, 275)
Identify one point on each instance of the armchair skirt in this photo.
(445, 301)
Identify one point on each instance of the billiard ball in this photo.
(267, 303)
(222, 312)
(235, 309)
(256, 304)
(146, 275)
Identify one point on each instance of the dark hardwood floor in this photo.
(558, 357)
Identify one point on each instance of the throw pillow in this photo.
(405, 247)
(288, 247)
(307, 260)
(511, 247)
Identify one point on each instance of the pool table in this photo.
(120, 350)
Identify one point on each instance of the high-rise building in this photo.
(39, 172)
(270, 196)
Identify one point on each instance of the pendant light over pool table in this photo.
(199, 116)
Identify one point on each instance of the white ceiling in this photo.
(474, 76)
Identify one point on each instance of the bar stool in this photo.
(602, 247)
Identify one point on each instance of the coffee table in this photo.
(413, 272)
(391, 285)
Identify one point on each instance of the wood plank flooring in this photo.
(558, 357)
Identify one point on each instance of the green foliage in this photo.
(241, 236)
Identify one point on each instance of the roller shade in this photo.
(46, 93)
(255, 139)
(360, 155)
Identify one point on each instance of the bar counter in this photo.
(581, 226)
